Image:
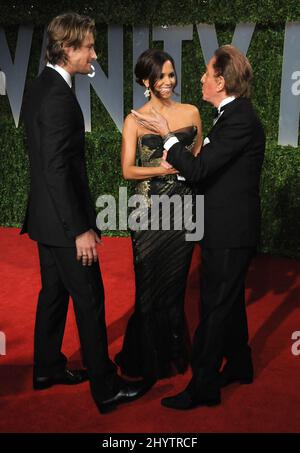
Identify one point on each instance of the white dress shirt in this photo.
(224, 102)
(170, 142)
(65, 75)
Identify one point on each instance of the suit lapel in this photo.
(228, 109)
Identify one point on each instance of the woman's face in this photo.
(165, 84)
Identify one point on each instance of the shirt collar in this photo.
(65, 75)
(225, 102)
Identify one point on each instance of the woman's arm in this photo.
(128, 155)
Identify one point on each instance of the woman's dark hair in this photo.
(149, 67)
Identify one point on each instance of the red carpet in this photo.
(270, 404)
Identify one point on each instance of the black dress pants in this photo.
(223, 329)
(63, 276)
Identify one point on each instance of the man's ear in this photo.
(68, 50)
(220, 83)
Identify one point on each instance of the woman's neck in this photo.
(160, 104)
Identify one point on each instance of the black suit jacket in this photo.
(60, 206)
(228, 172)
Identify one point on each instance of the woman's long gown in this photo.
(156, 343)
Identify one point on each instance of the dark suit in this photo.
(228, 172)
(59, 208)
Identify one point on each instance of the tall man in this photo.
(228, 169)
(61, 218)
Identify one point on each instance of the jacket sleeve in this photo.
(226, 143)
(56, 151)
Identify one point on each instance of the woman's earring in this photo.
(147, 92)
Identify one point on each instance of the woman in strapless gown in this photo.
(156, 342)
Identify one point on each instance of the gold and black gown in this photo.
(156, 343)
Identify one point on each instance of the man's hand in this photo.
(86, 247)
(153, 121)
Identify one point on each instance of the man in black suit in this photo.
(61, 218)
(228, 171)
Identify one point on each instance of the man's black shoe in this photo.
(67, 377)
(230, 375)
(129, 391)
(227, 379)
(185, 401)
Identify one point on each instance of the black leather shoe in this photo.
(230, 376)
(68, 377)
(231, 379)
(185, 401)
(128, 391)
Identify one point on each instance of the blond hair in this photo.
(68, 29)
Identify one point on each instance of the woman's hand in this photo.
(153, 121)
(167, 168)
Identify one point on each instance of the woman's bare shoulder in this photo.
(190, 112)
(131, 119)
(189, 108)
(130, 123)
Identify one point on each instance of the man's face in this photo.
(210, 84)
(79, 60)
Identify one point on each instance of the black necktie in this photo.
(216, 112)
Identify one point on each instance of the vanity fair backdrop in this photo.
(190, 31)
